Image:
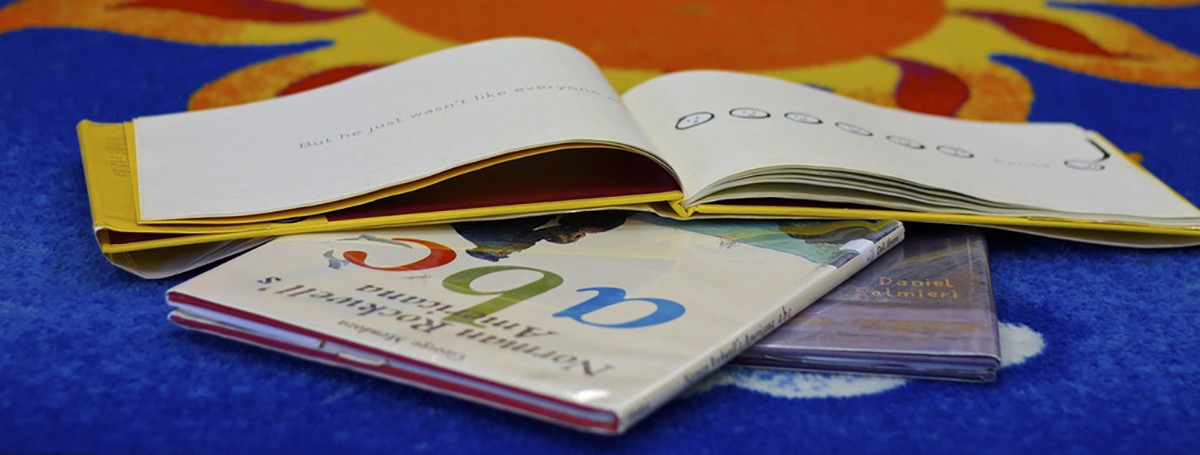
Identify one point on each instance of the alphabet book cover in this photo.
(591, 320)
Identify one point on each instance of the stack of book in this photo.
(496, 223)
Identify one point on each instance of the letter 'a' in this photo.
(664, 310)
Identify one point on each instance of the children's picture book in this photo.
(519, 126)
(590, 320)
(923, 310)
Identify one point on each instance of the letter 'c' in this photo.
(664, 310)
(439, 255)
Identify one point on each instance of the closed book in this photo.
(591, 320)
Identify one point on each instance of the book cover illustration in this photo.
(591, 320)
(923, 310)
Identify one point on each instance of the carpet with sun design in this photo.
(1099, 343)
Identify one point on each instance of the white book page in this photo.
(396, 124)
(710, 125)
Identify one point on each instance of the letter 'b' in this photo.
(664, 310)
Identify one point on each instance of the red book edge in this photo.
(407, 371)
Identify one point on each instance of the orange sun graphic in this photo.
(930, 56)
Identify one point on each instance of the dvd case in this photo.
(923, 310)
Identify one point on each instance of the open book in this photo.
(590, 320)
(519, 126)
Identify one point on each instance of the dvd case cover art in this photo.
(924, 310)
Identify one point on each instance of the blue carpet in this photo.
(89, 363)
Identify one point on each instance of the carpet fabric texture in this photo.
(1099, 342)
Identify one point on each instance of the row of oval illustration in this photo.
(702, 117)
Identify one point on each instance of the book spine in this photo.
(855, 256)
(105, 164)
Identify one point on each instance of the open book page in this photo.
(717, 127)
(411, 120)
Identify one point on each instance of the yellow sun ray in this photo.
(1150, 61)
(997, 92)
(868, 79)
(140, 19)
(1135, 55)
(948, 69)
(366, 40)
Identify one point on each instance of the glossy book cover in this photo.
(590, 320)
(924, 310)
